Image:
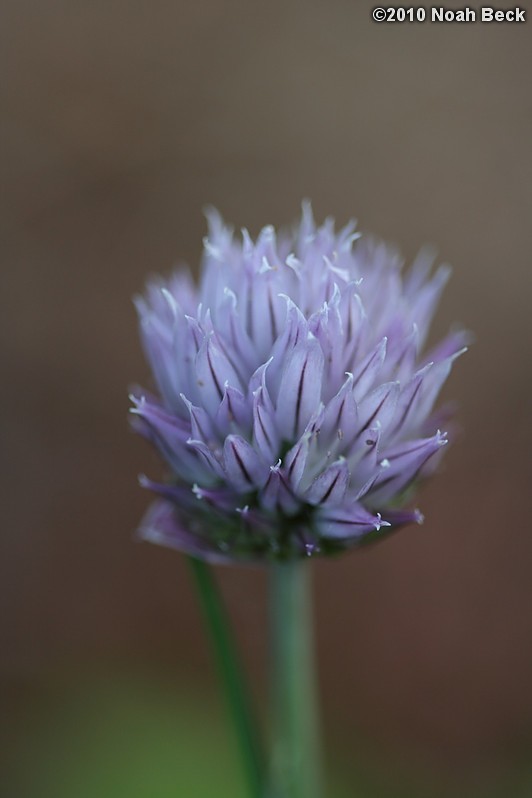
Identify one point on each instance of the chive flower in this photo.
(294, 404)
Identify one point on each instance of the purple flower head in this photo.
(295, 406)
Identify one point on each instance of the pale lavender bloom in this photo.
(295, 406)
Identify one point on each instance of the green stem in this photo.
(296, 771)
(231, 674)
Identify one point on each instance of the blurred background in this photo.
(120, 122)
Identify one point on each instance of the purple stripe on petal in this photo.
(265, 433)
(209, 458)
(365, 375)
(295, 332)
(232, 334)
(159, 349)
(352, 521)
(340, 418)
(258, 379)
(417, 398)
(296, 460)
(213, 371)
(244, 467)
(180, 495)
(354, 324)
(162, 525)
(268, 310)
(170, 436)
(431, 386)
(276, 495)
(200, 423)
(403, 463)
(300, 389)
(234, 412)
(379, 407)
(364, 457)
(330, 486)
(406, 401)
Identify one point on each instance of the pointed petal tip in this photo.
(460, 352)
(140, 305)
(231, 296)
(210, 211)
(137, 404)
(379, 522)
(293, 263)
(149, 534)
(441, 438)
(290, 304)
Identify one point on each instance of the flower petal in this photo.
(158, 344)
(348, 522)
(295, 331)
(423, 303)
(245, 469)
(200, 423)
(170, 435)
(453, 345)
(276, 495)
(331, 485)
(300, 388)
(180, 495)
(213, 371)
(265, 433)
(418, 396)
(340, 418)
(404, 462)
(210, 459)
(401, 517)
(232, 333)
(234, 412)
(326, 326)
(162, 525)
(268, 311)
(379, 407)
(365, 375)
(354, 323)
(296, 460)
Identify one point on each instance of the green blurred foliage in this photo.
(123, 739)
(150, 737)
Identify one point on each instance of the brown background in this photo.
(120, 121)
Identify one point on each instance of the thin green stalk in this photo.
(296, 771)
(232, 675)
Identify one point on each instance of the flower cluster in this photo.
(294, 407)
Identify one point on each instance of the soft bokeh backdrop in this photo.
(121, 121)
